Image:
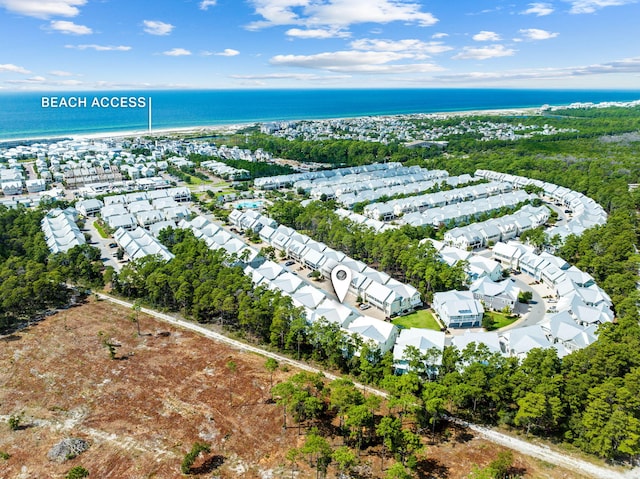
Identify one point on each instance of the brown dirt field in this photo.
(142, 411)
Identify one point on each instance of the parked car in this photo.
(113, 245)
(364, 306)
(289, 263)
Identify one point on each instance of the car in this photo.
(113, 245)
(364, 306)
(289, 263)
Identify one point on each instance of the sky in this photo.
(72, 45)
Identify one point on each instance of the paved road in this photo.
(533, 312)
(106, 253)
(524, 447)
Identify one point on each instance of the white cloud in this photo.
(228, 52)
(100, 48)
(355, 62)
(205, 4)
(44, 8)
(337, 13)
(590, 6)
(317, 33)
(291, 76)
(538, 9)
(28, 81)
(69, 28)
(627, 65)
(177, 52)
(484, 53)
(155, 27)
(60, 73)
(485, 36)
(436, 36)
(537, 34)
(407, 45)
(11, 68)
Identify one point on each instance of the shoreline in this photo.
(231, 127)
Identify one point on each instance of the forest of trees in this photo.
(33, 280)
(256, 169)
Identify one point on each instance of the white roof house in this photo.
(495, 295)
(425, 340)
(383, 298)
(458, 309)
(563, 329)
(313, 259)
(381, 333)
(266, 233)
(270, 270)
(159, 226)
(334, 312)
(114, 209)
(61, 232)
(520, 341)
(126, 221)
(287, 282)
(139, 243)
(309, 296)
(89, 207)
(481, 267)
(489, 338)
(148, 218)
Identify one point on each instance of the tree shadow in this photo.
(432, 469)
(12, 337)
(516, 471)
(209, 465)
(463, 437)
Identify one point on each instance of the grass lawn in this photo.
(101, 231)
(500, 320)
(419, 319)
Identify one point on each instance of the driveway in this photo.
(533, 312)
(106, 253)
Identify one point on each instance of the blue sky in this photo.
(117, 44)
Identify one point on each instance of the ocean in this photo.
(32, 115)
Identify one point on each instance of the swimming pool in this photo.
(245, 205)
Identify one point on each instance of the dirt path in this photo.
(540, 452)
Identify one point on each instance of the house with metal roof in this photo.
(495, 295)
(374, 331)
(428, 342)
(90, 207)
(383, 298)
(125, 221)
(519, 341)
(139, 243)
(334, 312)
(61, 232)
(490, 339)
(458, 309)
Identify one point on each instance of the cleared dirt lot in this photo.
(142, 411)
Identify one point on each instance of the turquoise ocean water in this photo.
(23, 116)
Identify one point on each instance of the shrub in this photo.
(192, 455)
(77, 472)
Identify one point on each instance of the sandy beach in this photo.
(233, 127)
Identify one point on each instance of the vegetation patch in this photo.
(418, 319)
(493, 320)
